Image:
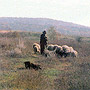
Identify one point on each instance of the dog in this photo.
(29, 65)
(36, 67)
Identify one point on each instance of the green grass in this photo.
(56, 74)
(52, 73)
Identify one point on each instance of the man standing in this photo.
(43, 42)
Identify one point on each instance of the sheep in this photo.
(35, 44)
(66, 48)
(65, 51)
(36, 48)
(69, 51)
(55, 46)
(52, 47)
(74, 53)
(59, 51)
(48, 53)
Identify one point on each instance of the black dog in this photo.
(31, 65)
(27, 64)
(36, 67)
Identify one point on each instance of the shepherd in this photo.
(43, 42)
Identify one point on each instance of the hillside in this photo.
(39, 24)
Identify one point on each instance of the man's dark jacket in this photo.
(43, 40)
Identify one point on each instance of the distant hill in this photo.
(39, 24)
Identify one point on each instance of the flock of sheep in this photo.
(62, 51)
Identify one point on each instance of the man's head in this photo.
(44, 32)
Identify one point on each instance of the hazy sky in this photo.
(76, 11)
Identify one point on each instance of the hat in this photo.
(44, 32)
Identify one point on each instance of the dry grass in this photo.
(56, 74)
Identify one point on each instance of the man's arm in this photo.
(46, 41)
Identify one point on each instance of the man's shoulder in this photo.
(42, 35)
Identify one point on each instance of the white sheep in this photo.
(35, 44)
(55, 46)
(36, 48)
(74, 53)
(69, 51)
(66, 48)
(50, 47)
(58, 48)
(59, 51)
(65, 51)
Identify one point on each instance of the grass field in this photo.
(56, 74)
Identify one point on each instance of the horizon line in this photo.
(45, 18)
